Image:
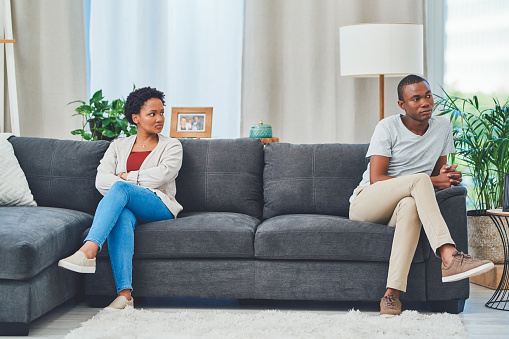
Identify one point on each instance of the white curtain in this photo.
(189, 49)
(50, 66)
(291, 68)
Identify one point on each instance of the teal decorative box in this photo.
(260, 131)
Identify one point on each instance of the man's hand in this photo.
(123, 175)
(448, 177)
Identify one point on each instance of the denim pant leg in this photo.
(123, 207)
(121, 249)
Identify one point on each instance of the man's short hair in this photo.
(409, 80)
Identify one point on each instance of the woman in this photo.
(137, 178)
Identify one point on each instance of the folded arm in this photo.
(378, 168)
(443, 175)
(166, 171)
(106, 176)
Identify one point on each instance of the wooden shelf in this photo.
(267, 140)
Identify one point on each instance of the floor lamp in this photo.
(379, 50)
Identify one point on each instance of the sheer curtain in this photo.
(189, 49)
(291, 74)
(50, 66)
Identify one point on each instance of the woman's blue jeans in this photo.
(116, 216)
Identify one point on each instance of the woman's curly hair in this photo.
(138, 98)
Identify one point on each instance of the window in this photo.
(189, 49)
(477, 48)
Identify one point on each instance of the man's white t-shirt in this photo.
(409, 153)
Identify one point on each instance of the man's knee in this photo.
(408, 203)
(421, 177)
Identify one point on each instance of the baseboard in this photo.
(490, 279)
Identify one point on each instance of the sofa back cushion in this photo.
(61, 173)
(311, 179)
(222, 175)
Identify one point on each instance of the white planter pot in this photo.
(484, 241)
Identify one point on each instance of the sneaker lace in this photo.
(390, 300)
(462, 256)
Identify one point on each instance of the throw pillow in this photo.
(14, 190)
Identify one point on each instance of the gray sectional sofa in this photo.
(258, 223)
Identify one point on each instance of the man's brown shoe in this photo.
(390, 306)
(464, 266)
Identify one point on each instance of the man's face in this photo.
(183, 122)
(417, 101)
(195, 118)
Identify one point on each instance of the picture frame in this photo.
(191, 122)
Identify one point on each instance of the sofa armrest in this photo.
(452, 203)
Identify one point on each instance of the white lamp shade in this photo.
(375, 49)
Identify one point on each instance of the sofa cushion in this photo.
(33, 238)
(313, 179)
(61, 173)
(195, 235)
(324, 237)
(221, 176)
(14, 190)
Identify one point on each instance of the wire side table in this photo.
(500, 299)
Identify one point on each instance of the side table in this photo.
(500, 299)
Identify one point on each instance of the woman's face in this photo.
(151, 116)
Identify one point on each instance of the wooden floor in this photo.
(480, 322)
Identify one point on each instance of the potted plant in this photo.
(102, 120)
(482, 146)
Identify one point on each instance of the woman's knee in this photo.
(119, 187)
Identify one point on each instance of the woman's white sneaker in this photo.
(78, 262)
(120, 303)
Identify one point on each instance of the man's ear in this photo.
(401, 104)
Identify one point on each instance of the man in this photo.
(408, 160)
(197, 124)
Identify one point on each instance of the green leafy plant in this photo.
(481, 142)
(102, 120)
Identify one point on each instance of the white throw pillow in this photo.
(14, 190)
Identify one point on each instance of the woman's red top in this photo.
(135, 160)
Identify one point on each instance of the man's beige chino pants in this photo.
(405, 203)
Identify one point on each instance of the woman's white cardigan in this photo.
(157, 172)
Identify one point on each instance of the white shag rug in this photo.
(139, 323)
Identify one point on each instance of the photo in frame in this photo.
(191, 122)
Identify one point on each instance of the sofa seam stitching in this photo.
(51, 171)
(207, 177)
(313, 176)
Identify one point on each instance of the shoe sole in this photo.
(76, 268)
(113, 309)
(388, 315)
(471, 273)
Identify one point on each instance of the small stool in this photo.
(500, 299)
